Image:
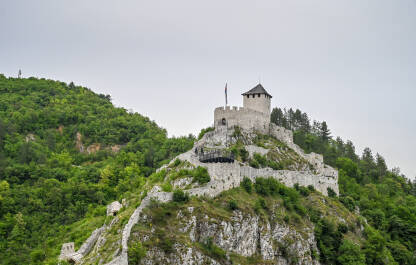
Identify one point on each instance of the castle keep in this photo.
(255, 112)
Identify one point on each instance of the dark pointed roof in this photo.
(259, 89)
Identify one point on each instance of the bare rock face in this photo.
(78, 142)
(245, 234)
(30, 137)
(94, 148)
(113, 208)
(183, 255)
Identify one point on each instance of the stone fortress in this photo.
(255, 112)
(251, 119)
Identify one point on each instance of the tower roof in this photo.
(259, 89)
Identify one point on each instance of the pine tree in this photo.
(305, 123)
(381, 166)
(350, 151)
(278, 118)
(325, 133)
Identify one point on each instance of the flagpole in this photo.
(226, 99)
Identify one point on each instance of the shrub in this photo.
(286, 218)
(136, 253)
(166, 187)
(232, 205)
(247, 184)
(38, 255)
(274, 165)
(204, 131)
(348, 202)
(267, 187)
(331, 193)
(299, 208)
(304, 191)
(314, 215)
(342, 228)
(296, 186)
(165, 243)
(213, 250)
(254, 163)
(200, 175)
(180, 196)
(350, 254)
(243, 154)
(260, 204)
(177, 162)
(296, 218)
(158, 176)
(311, 188)
(261, 160)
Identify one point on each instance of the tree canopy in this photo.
(48, 179)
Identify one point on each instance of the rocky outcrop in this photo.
(30, 137)
(94, 148)
(113, 208)
(184, 255)
(245, 234)
(78, 143)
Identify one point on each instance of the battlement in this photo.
(243, 117)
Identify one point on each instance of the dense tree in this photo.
(47, 183)
(350, 254)
(384, 197)
(325, 133)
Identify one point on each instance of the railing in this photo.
(216, 156)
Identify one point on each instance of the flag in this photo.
(226, 100)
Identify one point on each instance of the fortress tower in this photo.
(255, 113)
(257, 99)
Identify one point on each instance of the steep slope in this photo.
(187, 173)
(237, 217)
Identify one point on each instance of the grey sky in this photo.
(349, 62)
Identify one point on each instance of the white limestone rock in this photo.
(113, 208)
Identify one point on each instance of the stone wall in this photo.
(261, 104)
(242, 117)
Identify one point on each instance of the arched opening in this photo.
(223, 121)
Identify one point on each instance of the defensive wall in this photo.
(242, 117)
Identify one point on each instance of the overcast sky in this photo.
(349, 62)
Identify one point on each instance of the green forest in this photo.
(46, 183)
(384, 197)
(66, 152)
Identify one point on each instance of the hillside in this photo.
(66, 153)
(255, 220)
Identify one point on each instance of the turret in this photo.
(257, 99)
